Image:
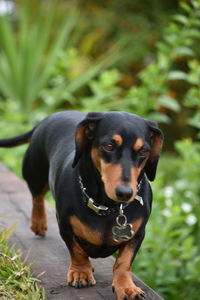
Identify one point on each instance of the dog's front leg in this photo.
(122, 284)
(80, 273)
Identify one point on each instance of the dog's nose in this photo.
(123, 192)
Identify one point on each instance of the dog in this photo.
(97, 166)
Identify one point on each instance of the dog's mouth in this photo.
(122, 201)
(122, 193)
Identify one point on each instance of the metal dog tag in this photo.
(122, 232)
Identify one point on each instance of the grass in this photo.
(16, 281)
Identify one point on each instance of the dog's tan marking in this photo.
(84, 232)
(117, 139)
(110, 175)
(39, 218)
(80, 136)
(96, 158)
(122, 279)
(136, 224)
(157, 143)
(80, 269)
(138, 144)
(135, 172)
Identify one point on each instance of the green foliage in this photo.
(104, 92)
(178, 55)
(72, 75)
(13, 122)
(172, 81)
(191, 99)
(163, 89)
(169, 259)
(140, 21)
(183, 39)
(95, 90)
(29, 50)
(16, 281)
(33, 42)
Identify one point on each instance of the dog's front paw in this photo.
(127, 290)
(80, 276)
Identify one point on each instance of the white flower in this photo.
(191, 219)
(186, 207)
(166, 212)
(181, 183)
(168, 191)
(188, 194)
(168, 202)
(6, 7)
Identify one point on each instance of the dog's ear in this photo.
(156, 147)
(85, 131)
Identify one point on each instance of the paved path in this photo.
(50, 253)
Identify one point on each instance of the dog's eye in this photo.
(144, 153)
(108, 147)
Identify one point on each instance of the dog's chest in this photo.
(85, 232)
(99, 235)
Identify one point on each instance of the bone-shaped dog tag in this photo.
(122, 232)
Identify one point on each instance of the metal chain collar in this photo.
(103, 210)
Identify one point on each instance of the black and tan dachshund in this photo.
(97, 166)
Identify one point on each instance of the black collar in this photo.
(103, 210)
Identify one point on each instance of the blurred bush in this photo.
(31, 42)
(169, 259)
(167, 89)
(105, 92)
(28, 50)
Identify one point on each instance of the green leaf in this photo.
(184, 51)
(159, 117)
(169, 103)
(181, 19)
(186, 7)
(195, 121)
(194, 33)
(65, 30)
(8, 47)
(177, 75)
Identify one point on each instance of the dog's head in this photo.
(121, 146)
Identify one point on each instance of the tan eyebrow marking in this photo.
(138, 144)
(118, 139)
